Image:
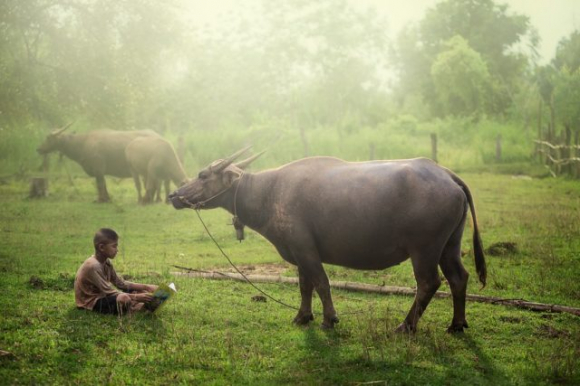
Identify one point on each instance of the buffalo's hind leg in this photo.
(428, 281)
(457, 277)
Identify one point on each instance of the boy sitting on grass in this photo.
(95, 277)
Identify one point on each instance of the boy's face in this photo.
(109, 249)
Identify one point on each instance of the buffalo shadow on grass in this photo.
(327, 359)
(483, 364)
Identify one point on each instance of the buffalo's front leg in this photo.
(304, 315)
(303, 253)
(314, 272)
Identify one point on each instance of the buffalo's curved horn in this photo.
(243, 164)
(61, 130)
(225, 163)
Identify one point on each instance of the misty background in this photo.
(354, 79)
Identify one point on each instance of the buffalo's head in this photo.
(52, 141)
(213, 181)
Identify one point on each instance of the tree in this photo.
(305, 62)
(566, 101)
(461, 79)
(566, 82)
(96, 57)
(488, 29)
(568, 53)
(567, 97)
(560, 75)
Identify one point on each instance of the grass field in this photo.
(212, 333)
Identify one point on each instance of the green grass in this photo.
(212, 333)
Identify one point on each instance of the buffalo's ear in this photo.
(229, 176)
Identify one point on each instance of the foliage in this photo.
(568, 52)
(81, 57)
(290, 70)
(418, 47)
(285, 60)
(461, 79)
(213, 333)
(557, 84)
(567, 97)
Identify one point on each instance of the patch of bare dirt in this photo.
(260, 269)
(259, 298)
(502, 248)
(36, 282)
(552, 332)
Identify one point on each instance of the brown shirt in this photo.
(94, 281)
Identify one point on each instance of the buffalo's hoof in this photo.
(329, 324)
(303, 319)
(457, 328)
(405, 328)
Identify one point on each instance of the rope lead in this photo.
(236, 268)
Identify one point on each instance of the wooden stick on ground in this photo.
(362, 287)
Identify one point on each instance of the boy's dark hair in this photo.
(105, 235)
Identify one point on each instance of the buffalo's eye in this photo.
(203, 175)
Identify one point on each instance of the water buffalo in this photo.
(362, 215)
(154, 159)
(99, 152)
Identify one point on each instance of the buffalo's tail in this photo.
(480, 265)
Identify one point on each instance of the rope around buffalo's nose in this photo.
(236, 268)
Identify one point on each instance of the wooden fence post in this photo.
(434, 147)
(498, 148)
(577, 153)
(538, 146)
(304, 142)
(558, 159)
(181, 148)
(567, 153)
(39, 185)
(371, 151)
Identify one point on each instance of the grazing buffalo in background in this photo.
(154, 159)
(362, 215)
(99, 152)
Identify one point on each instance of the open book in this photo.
(163, 293)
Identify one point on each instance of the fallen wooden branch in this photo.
(383, 289)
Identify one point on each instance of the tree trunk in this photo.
(552, 130)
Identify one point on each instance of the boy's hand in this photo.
(143, 297)
(150, 288)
